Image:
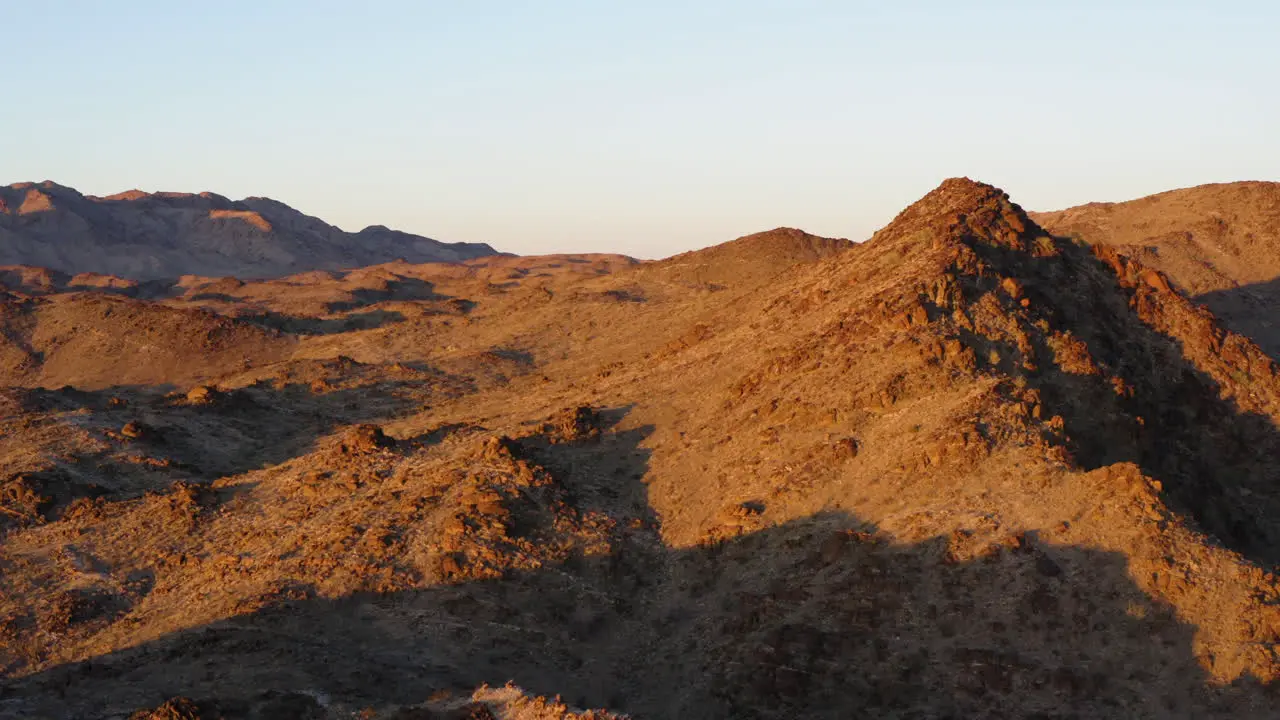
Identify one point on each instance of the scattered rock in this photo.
(202, 395)
(366, 438)
(579, 423)
(846, 448)
(178, 708)
(135, 430)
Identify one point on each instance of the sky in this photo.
(646, 128)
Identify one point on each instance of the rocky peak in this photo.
(961, 209)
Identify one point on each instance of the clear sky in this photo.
(639, 127)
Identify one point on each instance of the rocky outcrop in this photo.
(1218, 243)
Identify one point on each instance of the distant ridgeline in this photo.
(145, 236)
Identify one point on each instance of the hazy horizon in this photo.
(641, 130)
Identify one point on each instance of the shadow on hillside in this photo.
(215, 297)
(782, 624)
(173, 438)
(1150, 405)
(354, 316)
(1250, 310)
(407, 288)
(816, 618)
(266, 424)
(301, 325)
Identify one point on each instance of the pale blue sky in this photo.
(643, 127)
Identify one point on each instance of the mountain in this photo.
(1219, 243)
(967, 468)
(145, 236)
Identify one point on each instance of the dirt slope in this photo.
(1219, 243)
(95, 341)
(143, 236)
(965, 469)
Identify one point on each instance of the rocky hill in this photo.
(144, 236)
(964, 469)
(1218, 243)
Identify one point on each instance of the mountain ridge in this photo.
(967, 468)
(162, 235)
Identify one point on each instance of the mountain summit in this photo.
(145, 236)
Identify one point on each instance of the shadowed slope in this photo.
(554, 579)
(1220, 243)
(1250, 310)
(1135, 370)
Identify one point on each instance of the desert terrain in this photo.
(985, 464)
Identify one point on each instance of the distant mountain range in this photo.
(146, 236)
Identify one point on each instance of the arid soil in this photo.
(966, 469)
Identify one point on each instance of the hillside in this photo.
(964, 469)
(1219, 243)
(145, 236)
